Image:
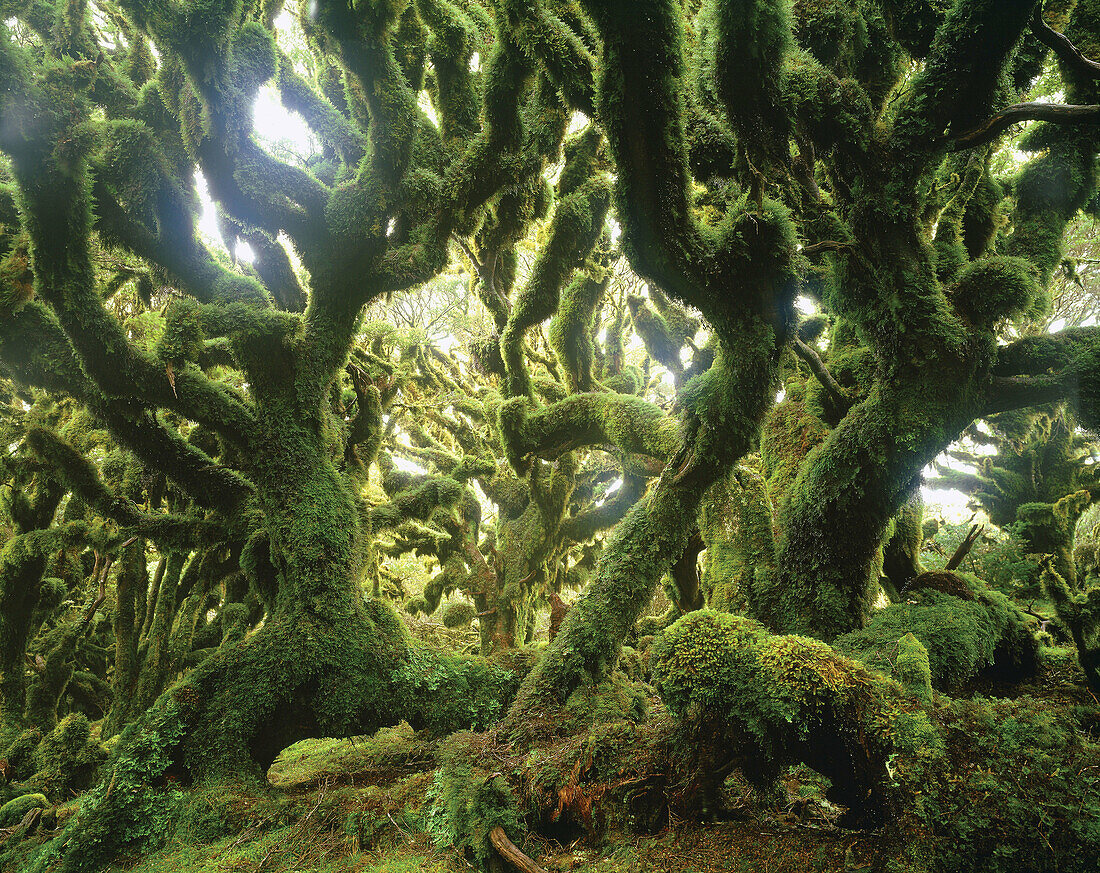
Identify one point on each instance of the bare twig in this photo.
(826, 245)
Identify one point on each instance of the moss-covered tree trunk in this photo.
(321, 662)
(722, 423)
(23, 561)
(840, 506)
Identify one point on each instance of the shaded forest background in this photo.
(531, 475)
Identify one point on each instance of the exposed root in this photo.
(511, 853)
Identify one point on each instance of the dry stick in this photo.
(826, 245)
(511, 853)
(964, 547)
(298, 829)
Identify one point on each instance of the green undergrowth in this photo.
(978, 634)
(1018, 788)
(280, 852)
(628, 779)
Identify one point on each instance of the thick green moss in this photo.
(779, 700)
(12, 812)
(996, 288)
(964, 638)
(790, 432)
(736, 522)
(459, 614)
(126, 811)
(913, 669)
(901, 551)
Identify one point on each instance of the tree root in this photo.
(511, 853)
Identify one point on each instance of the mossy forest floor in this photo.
(334, 825)
(364, 804)
(326, 812)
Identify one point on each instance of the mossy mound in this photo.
(377, 759)
(940, 580)
(770, 701)
(616, 699)
(12, 812)
(458, 614)
(67, 759)
(20, 755)
(981, 635)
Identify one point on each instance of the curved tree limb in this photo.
(1035, 355)
(81, 477)
(1020, 392)
(627, 422)
(36, 352)
(1067, 52)
(837, 395)
(998, 123)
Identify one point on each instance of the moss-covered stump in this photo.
(971, 633)
(745, 698)
(569, 775)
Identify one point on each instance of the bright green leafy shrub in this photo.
(1022, 791)
(457, 692)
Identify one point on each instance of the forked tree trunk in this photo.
(322, 664)
(719, 430)
(844, 498)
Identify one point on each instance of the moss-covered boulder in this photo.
(771, 701)
(970, 634)
(12, 812)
